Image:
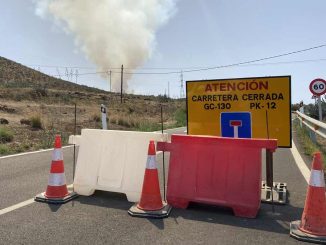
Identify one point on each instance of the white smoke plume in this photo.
(111, 32)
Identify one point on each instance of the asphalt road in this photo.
(103, 218)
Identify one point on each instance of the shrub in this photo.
(120, 121)
(163, 98)
(47, 138)
(181, 117)
(4, 149)
(113, 120)
(6, 135)
(309, 146)
(96, 118)
(146, 126)
(131, 110)
(36, 122)
(124, 122)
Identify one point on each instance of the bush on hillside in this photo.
(36, 122)
(6, 135)
(181, 117)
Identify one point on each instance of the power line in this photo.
(221, 66)
(261, 59)
(176, 70)
(183, 68)
(247, 65)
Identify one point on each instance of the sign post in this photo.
(103, 112)
(318, 88)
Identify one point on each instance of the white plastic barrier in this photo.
(74, 139)
(114, 161)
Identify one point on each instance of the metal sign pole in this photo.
(164, 196)
(74, 160)
(75, 132)
(269, 166)
(319, 109)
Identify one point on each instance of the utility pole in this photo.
(67, 73)
(59, 75)
(121, 83)
(168, 89)
(71, 75)
(76, 74)
(182, 93)
(110, 82)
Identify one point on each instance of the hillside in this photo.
(15, 75)
(35, 106)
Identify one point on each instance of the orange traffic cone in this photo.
(56, 191)
(151, 204)
(312, 227)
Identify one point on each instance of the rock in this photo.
(7, 109)
(25, 121)
(3, 121)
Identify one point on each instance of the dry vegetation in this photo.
(309, 146)
(34, 107)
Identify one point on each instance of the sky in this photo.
(198, 33)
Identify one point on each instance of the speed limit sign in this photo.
(318, 86)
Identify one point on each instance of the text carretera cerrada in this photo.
(218, 95)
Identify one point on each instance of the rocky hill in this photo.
(15, 75)
(34, 107)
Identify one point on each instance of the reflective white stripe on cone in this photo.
(57, 179)
(151, 162)
(317, 178)
(57, 155)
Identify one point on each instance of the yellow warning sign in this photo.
(258, 107)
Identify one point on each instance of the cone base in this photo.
(157, 214)
(42, 198)
(302, 236)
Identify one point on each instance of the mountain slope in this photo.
(15, 75)
(34, 107)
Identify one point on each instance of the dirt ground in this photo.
(135, 113)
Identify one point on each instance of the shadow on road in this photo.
(159, 223)
(115, 201)
(106, 199)
(266, 220)
(54, 207)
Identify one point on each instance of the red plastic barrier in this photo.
(216, 170)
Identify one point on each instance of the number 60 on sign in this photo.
(318, 87)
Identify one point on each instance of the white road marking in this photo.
(20, 205)
(32, 152)
(296, 155)
(16, 206)
(30, 201)
(300, 163)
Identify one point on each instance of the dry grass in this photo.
(309, 146)
(38, 106)
(34, 123)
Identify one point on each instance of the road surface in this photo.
(103, 218)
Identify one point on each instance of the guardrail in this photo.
(314, 125)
